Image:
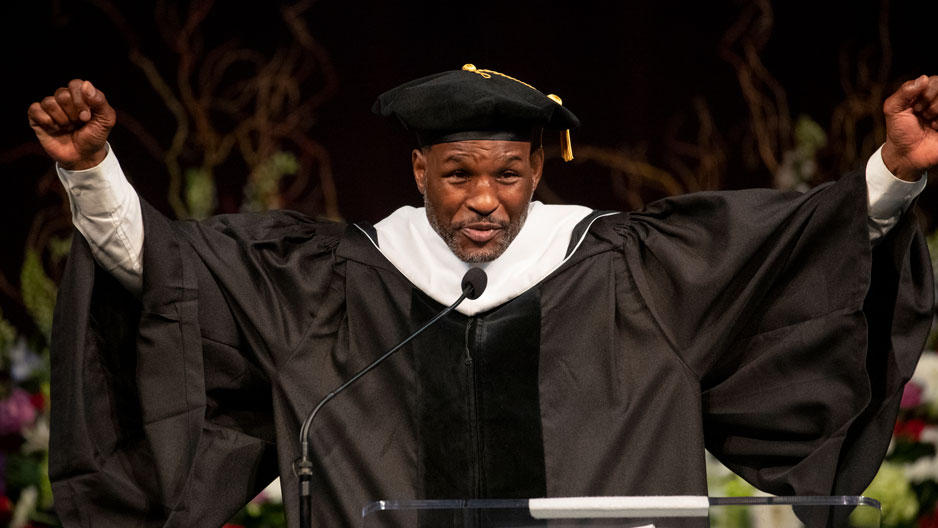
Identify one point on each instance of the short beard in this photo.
(449, 234)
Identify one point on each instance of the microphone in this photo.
(473, 284)
(475, 279)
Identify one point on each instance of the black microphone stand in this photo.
(473, 284)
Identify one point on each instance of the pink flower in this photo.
(16, 412)
(911, 396)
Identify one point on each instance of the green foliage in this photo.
(809, 135)
(892, 489)
(38, 292)
(799, 164)
(865, 516)
(200, 193)
(737, 487)
(45, 486)
(260, 515)
(904, 451)
(927, 493)
(59, 248)
(263, 189)
(22, 471)
(7, 338)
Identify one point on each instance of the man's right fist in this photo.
(73, 124)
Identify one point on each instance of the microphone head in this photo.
(475, 279)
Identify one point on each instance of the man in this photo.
(606, 352)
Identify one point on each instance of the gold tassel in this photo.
(566, 147)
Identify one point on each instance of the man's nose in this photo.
(483, 198)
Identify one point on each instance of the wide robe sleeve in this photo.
(800, 335)
(161, 408)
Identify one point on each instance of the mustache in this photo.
(481, 219)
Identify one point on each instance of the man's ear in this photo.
(419, 161)
(537, 165)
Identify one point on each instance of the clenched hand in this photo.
(73, 124)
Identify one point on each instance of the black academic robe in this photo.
(758, 324)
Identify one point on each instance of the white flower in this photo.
(273, 492)
(24, 506)
(929, 435)
(37, 436)
(922, 470)
(23, 361)
(926, 376)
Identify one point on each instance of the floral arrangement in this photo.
(25, 492)
(907, 482)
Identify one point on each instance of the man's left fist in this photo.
(912, 128)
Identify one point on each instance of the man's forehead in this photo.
(475, 149)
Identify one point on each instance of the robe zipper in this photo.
(473, 402)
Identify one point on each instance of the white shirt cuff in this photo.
(889, 196)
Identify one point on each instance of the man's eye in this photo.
(458, 174)
(509, 174)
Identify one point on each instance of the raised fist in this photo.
(73, 125)
(912, 128)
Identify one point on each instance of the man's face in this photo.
(477, 193)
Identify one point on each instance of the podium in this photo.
(631, 512)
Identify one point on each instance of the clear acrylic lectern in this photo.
(633, 512)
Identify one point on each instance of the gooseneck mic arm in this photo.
(473, 284)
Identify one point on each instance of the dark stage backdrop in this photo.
(268, 102)
(234, 105)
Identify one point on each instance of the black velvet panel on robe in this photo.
(479, 414)
(756, 323)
